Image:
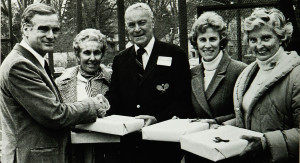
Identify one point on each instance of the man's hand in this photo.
(148, 120)
(254, 147)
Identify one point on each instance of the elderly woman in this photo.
(267, 93)
(213, 80)
(88, 79)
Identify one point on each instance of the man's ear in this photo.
(26, 27)
(153, 22)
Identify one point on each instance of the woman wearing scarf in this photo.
(87, 79)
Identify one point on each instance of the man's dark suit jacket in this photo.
(151, 95)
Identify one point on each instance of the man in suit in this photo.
(35, 121)
(151, 79)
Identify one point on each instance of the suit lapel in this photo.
(151, 62)
(34, 60)
(198, 90)
(219, 76)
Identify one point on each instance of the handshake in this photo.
(102, 105)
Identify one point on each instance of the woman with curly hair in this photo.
(267, 93)
(214, 78)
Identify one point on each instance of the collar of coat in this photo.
(71, 74)
(198, 90)
(245, 78)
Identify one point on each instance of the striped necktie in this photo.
(139, 62)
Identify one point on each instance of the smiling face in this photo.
(209, 44)
(42, 33)
(90, 56)
(139, 25)
(263, 42)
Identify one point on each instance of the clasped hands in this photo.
(103, 105)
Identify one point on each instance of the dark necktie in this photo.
(48, 70)
(139, 62)
(46, 66)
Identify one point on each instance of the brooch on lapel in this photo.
(162, 88)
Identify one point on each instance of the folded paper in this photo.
(93, 137)
(114, 124)
(172, 130)
(217, 144)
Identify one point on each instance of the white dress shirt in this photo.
(37, 55)
(146, 55)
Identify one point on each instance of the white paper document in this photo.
(171, 130)
(217, 144)
(114, 124)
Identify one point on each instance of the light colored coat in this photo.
(35, 122)
(67, 84)
(274, 110)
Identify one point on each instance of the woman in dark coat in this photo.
(214, 78)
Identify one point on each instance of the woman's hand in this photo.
(103, 101)
(212, 123)
(104, 105)
(254, 147)
(148, 120)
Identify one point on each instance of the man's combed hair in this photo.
(143, 6)
(36, 9)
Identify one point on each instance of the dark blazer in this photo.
(217, 101)
(151, 96)
(35, 122)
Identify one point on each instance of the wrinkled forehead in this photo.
(45, 20)
(137, 14)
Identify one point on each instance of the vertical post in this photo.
(79, 15)
(10, 24)
(183, 25)
(239, 34)
(121, 24)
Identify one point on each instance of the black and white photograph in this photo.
(150, 81)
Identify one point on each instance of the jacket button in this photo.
(138, 106)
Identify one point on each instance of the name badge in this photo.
(164, 61)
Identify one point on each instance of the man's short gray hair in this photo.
(142, 6)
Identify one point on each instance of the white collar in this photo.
(37, 55)
(272, 61)
(81, 78)
(212, 65)
(148, 48)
